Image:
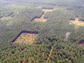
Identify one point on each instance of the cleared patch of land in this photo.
(26, 38)
(42, 18)
(47, 10)
(76, 22)
(6, 18)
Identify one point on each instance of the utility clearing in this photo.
(76, 22)
(26, 38)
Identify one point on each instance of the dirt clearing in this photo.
(26, 38)
(76, 22)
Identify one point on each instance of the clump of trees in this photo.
(51, 33)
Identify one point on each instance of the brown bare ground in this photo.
(76, 22)
(26, 38)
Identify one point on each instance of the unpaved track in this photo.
(49, 54)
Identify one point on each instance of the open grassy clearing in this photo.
(76, 22)
(26, 38)
(6, 18)
(47, 10)
(42, 18)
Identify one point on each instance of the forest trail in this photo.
(49, 54)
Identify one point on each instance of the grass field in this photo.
(47, 10)
(42, 18)
(76, 22)
(26, 38)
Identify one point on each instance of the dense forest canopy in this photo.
(41, 31)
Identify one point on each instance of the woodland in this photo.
(56, 41)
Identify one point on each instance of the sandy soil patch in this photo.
(76, 22)
(41, 19)
(47, 10)
(6, 18)
(26, 38)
